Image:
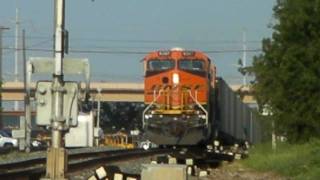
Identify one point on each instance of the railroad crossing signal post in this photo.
(57, 101)
(57, 156)
(44, 96)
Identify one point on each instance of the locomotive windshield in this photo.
(160, 65)
(191, 65)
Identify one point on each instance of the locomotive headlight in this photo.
(175, 78)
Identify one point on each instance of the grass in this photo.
(297, 161)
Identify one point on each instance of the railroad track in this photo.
(35, 168)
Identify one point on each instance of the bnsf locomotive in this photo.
(178, 87)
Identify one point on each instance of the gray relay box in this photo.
(44, 97)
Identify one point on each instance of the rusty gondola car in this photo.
(178, 97)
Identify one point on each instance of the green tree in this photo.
(288, 70)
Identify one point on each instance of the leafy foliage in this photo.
(288, 70)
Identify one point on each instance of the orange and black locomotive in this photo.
(178, 85)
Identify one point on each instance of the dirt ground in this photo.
(231, 171)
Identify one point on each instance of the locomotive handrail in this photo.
(149, 106)
(197, 102)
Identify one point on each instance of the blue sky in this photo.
(142, 26)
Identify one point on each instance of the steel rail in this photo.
(41, 160)
(36, 167)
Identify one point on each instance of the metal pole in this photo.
(27, 106)
(57, 156)
(58, 76)
(244, 36)
(99, 107)
(16, 59)
(98, 115)
(24, 58)
(54, 25)
(1, 31)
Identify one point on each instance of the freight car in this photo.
(178, 89)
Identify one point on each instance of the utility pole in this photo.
(16, 59)
(244, 56)
(1, 79)
(98, 115)
(54, 25)
(27, 106)
(57, 155)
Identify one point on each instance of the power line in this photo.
(147, 41)
(94, 51)
(232, 51)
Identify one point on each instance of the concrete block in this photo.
(191, 170)
(92, 178)
(230, 153)
(203, 173)
(237, 156)
(189, 161)
(131, 178)
(172, 160)
(118, 176)
(101, 172)
(247, 144)
(163, 171)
